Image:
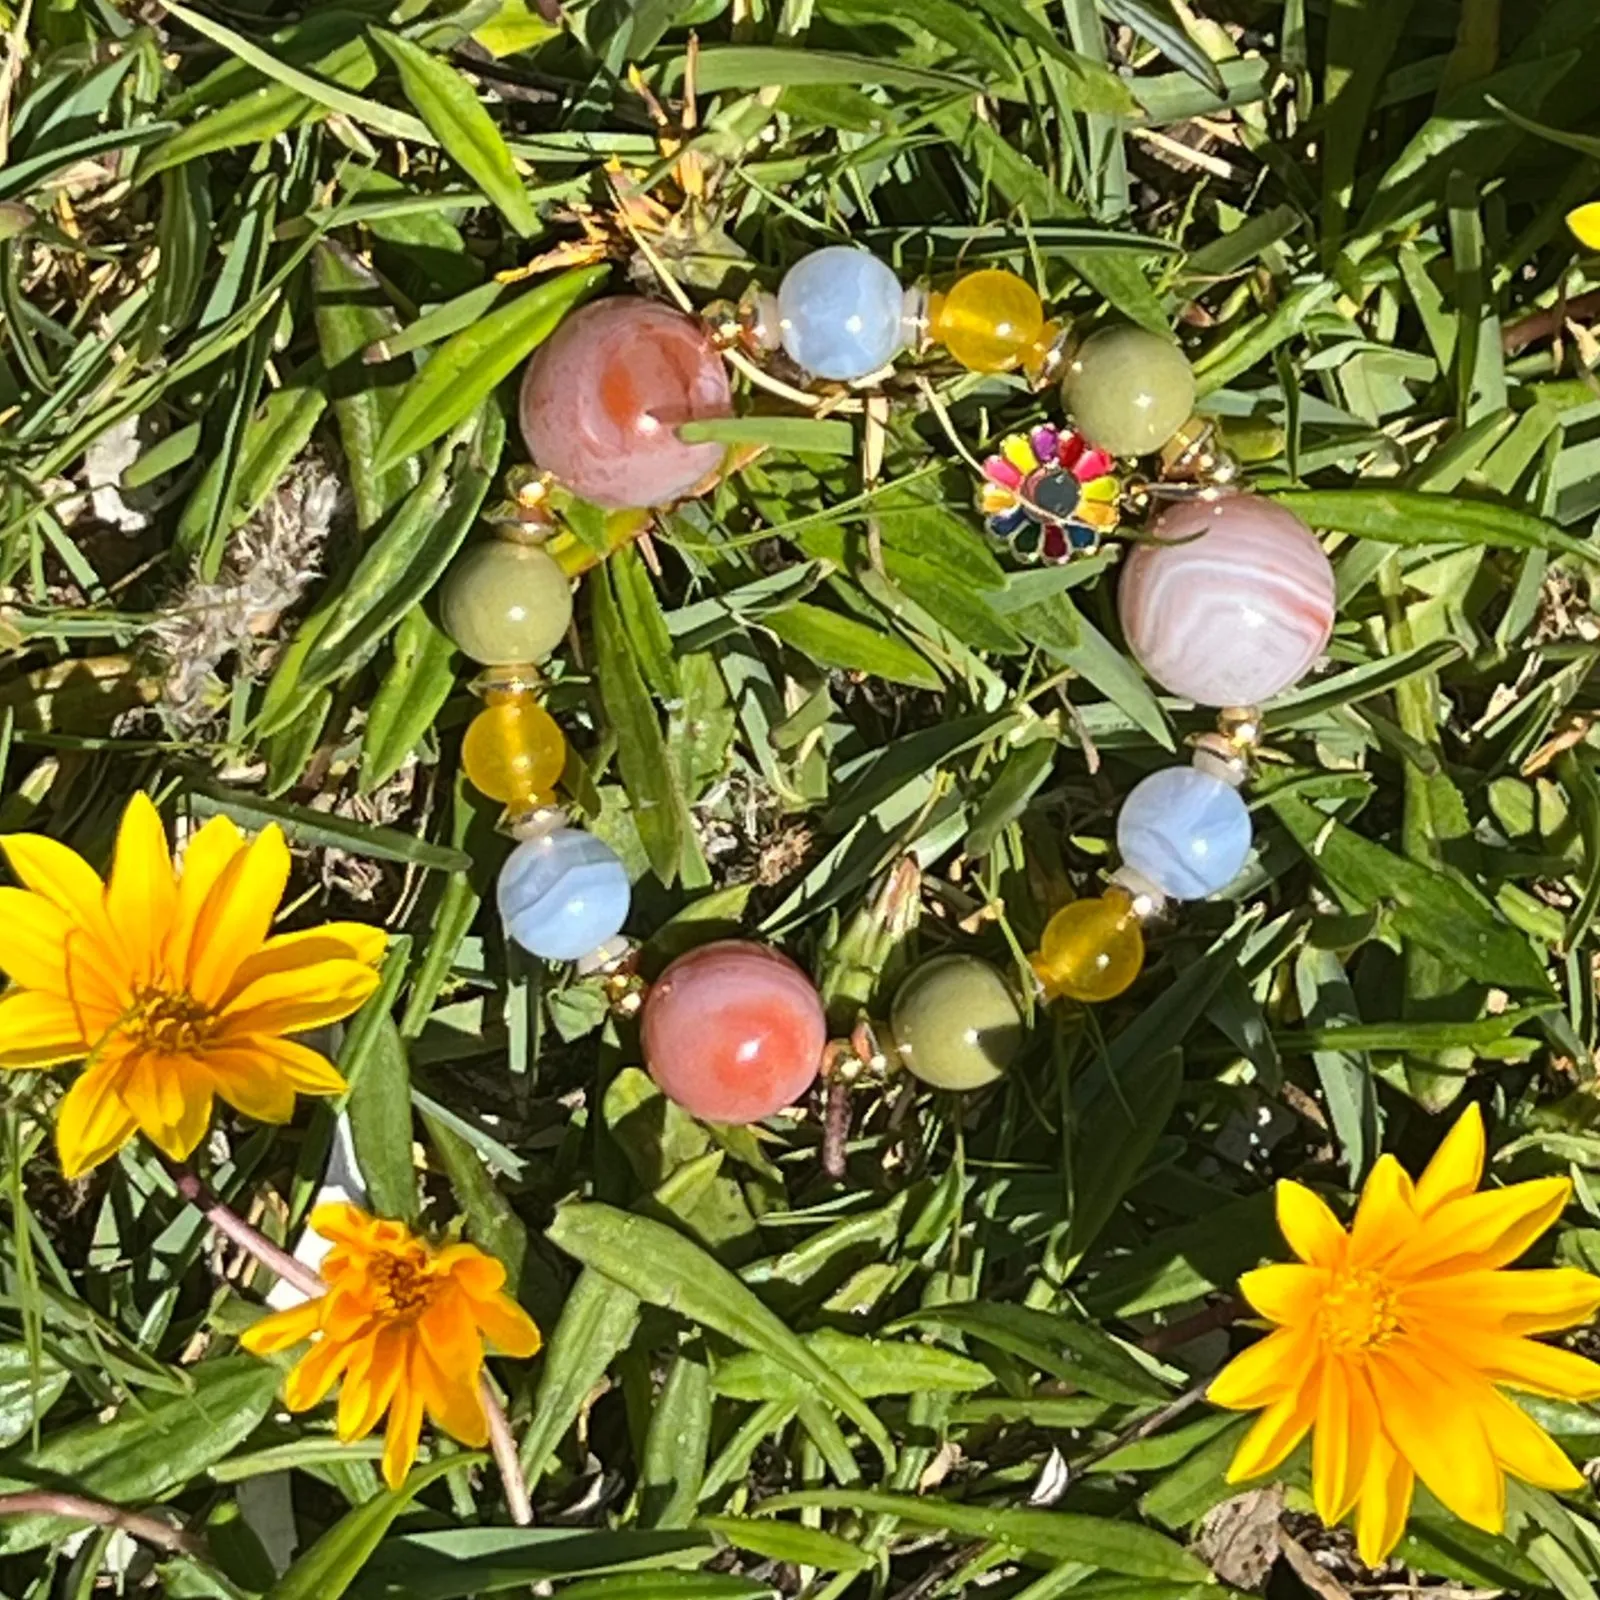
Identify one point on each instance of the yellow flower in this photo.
(166, 983)
(403, 1325)
(1391, 1339)
(1585, 222)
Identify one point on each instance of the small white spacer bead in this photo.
(608, 954)
(1148, 900)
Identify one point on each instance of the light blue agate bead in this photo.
(563, 894)
(841, 312)
(1186, 831)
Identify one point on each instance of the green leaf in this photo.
(352, 314)
(648, 774)
(818, 436)
(28, 1388)
(149, 1450)
(334, 1562)
(405, 562)
(1411, 519)
(789, 1541)
(596, 1324)
(419, 680)
(450, 107)
(672, 1465)
(1436, 910)
(871, 1367)
(1068, 1348)
(662, 1267)
(467, 368)
(1058, 1535)
(378, 1068)
(832, 640)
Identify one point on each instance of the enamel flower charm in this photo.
(402, 1329)
(167, 983)
(1049, 495)
(1393, 1341)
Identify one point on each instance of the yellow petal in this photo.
(449, 1334)
(370, 1381)
(205, 857)
(1436, 1427)
(252, 1084)
(507, 1326)
(315, 1373)
(1385, 1502)
(170, 1096)
(67, 881)
(454, 1398)
(233, 922)
(1276, 1432)
(477, 1274)
(343, 1223)
(1385, 1219)
(39, 1030)
(1585, 223)
(405, 1428)
(1457, 1165)
(1265, 1372)
(1539, 1300)
(1484, 1230)
(293, 1001)
(290, 952)
(1285, 1294)
(1522, 1363)
(304, 1068)
(92, 1121)
(1522, 1447)
(33, 941)
(282, 1329)
(1347, 1427)
(142, 895)
(1312, 1230)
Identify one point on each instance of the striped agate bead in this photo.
(1230, 603)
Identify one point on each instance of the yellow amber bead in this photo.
(988, 320)
(513, 751)
(1092, 949)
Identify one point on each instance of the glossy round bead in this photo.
(989, 321)
(1186, 831)
(563, 894)
(513, 751)
(604, 396)
(505, 604)
(1230, 602)
(1128, 390)
(841, 312)
(1092, 949)
(733, 1031)
(955, 1023)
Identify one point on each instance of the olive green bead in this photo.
(955, 1023)
(1128, 390)
(505, 603)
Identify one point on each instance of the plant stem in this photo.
(276, 1260)
(48, 1503)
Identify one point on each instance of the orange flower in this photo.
(1391, 1340)
(403, 1325)
(166, 983)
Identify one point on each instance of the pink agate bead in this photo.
(733, 1031)
(604, 396)
(1230, 603)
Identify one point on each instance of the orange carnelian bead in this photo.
(513, 751)
(989, 320)
(1092, 949)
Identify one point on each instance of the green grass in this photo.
(1350, 210)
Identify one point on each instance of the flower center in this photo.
(172, 1023)
(1358, 1313)
(405, 1289)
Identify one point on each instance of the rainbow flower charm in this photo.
(1050, 495)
